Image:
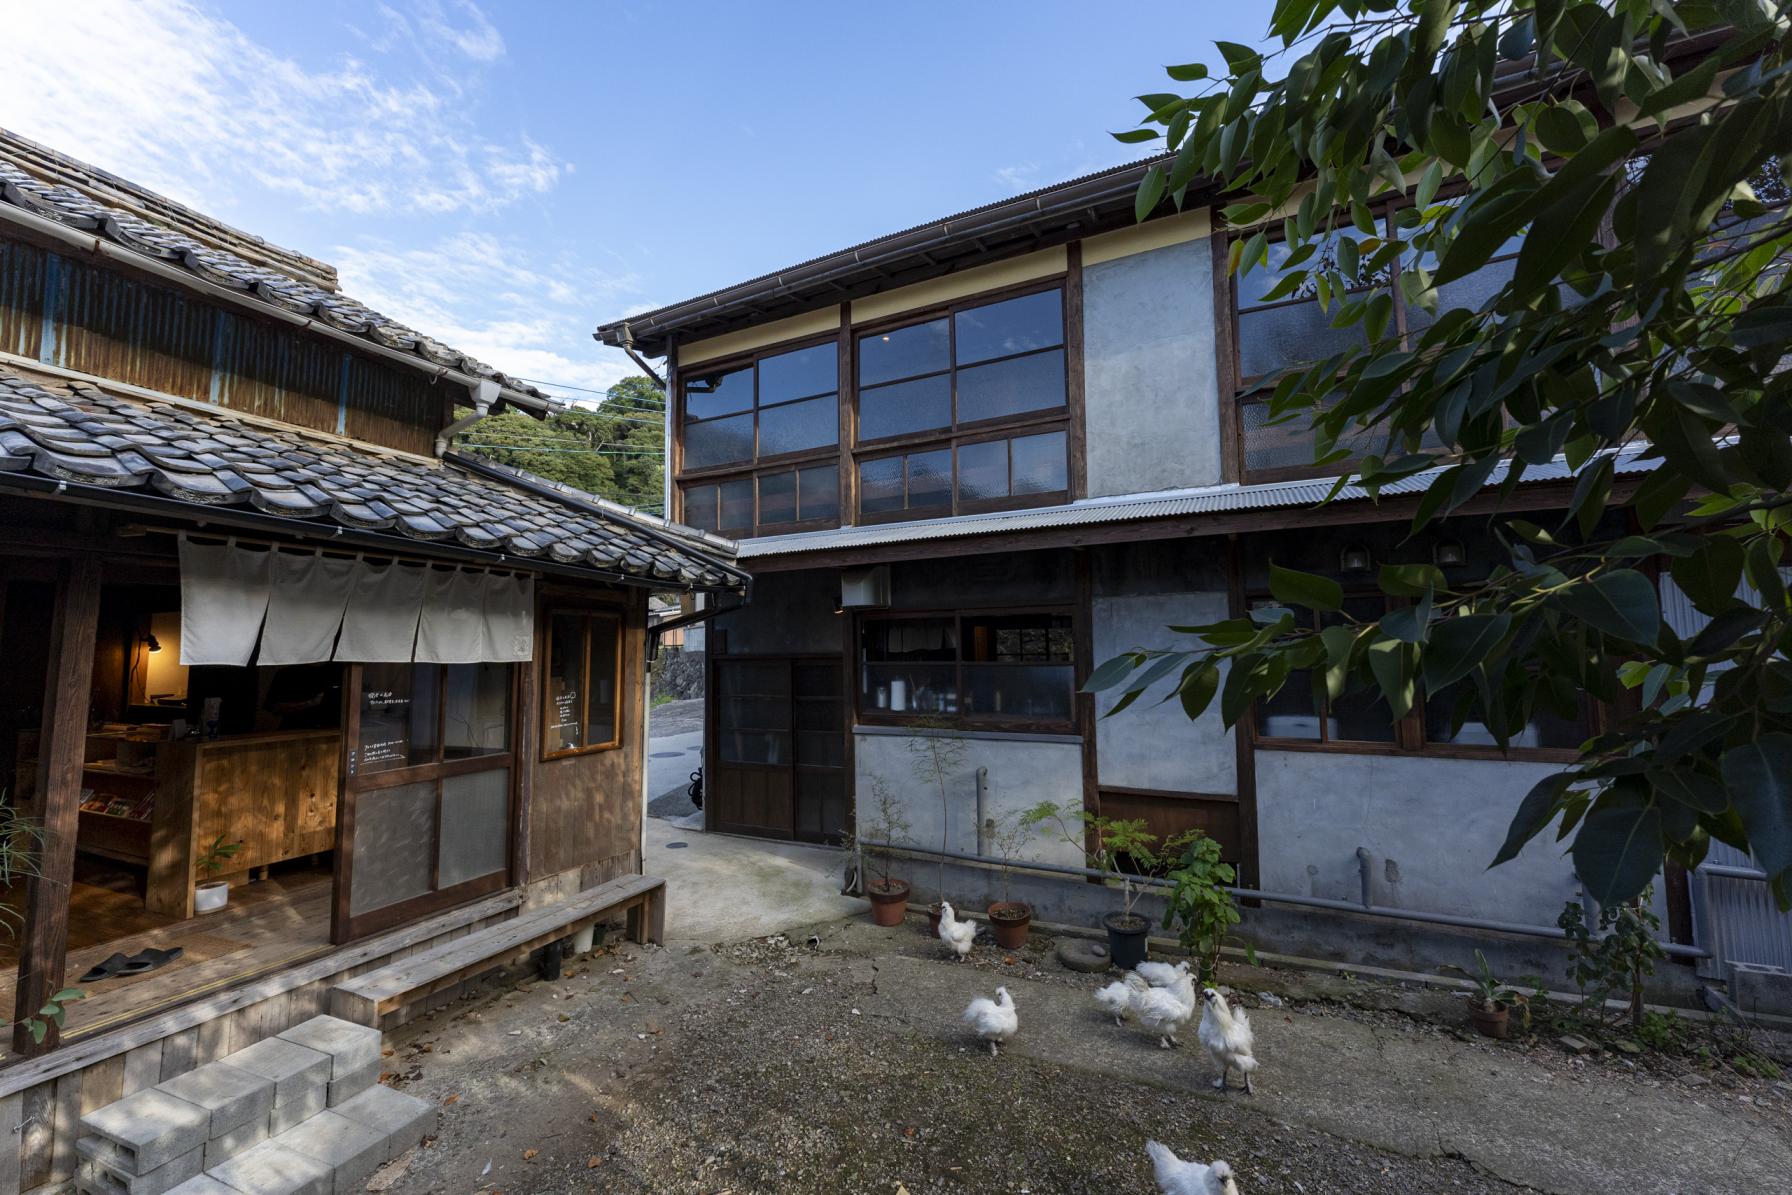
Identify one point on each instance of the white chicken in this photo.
(1227, 1036)
(1116, 1000)
(1177, 1177)
(955, 933)
(1161, 975)
(994, 1021)
(1164, 1011)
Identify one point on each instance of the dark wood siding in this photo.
(65, 311)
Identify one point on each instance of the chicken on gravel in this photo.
(955, 933)
(1116, 1000)
(1164, 1011)
(994, 1021)
(1162, 975)
(1227, 1035)
(1177, 1177)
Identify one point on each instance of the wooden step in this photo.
(368, 997)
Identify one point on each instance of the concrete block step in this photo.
(98, 1172)
(272, 1169)
(146, 1130)
(232, 1098)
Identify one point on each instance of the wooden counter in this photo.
(274, 793)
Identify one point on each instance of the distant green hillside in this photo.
(614, 449)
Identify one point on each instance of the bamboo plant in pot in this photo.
(213, 894)
(1009, 919)
(1105, 841)
(886, 824)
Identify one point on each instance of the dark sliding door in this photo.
(775, 766)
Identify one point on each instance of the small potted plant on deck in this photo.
(1105, 842)
(1009, 919)
(1491, 1002)
(213, 894)
(886, 825)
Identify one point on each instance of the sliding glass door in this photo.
(428, 791)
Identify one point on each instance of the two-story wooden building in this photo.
(968, 461)
(262, 625)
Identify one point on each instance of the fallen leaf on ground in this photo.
(451, 1101)
(529, 1154)
(386, 1053)
(593, 1162)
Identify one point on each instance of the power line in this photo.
(586, 451)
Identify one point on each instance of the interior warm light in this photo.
(152, 642)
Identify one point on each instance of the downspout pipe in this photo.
(628, 346)
(484, 393)
(1676, 949)
(684, 620)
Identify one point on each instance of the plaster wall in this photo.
(1152, 743)
(1432, 826)
(1150, 385)
(1022, 773)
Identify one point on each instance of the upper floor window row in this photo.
(972, 366)
(776, 406)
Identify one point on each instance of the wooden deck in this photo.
(267, 925)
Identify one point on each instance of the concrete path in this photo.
(722, 888)
(674, 747)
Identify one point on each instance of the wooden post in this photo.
(43, 938)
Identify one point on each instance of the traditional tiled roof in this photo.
(209, 458)
(209, 263)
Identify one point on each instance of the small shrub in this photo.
(1615, 958)
(1199, 907)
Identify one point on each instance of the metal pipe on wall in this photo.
(1676, 949)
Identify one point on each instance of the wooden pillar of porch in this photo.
(62, 751)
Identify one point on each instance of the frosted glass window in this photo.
(718, 442)
(475, 838)
(794, 427)
(476, 710)
(393, 831)
(899, 409)
(983, 471)
(1041, 464)
(1011, 326)
(799, 374)
(709, 395)
(904, 352)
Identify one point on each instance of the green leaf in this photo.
(1411, 580)
(1112, 672)
(1198, 687)
(1534, 813)
(1762, 327)
(1187, 73)
(1239, 58)
(1135, 136)
(1429, 182)
(1566, 127)
(1304, 589)
(1409, 624)
(1621, 603)
(1659, 493)
(1758, 776)
(1151, 190)
(1458, 645)
(1573, 223)
(1689, 86)
(1695, 790)
(1618, 849)
(1391, 663)
(1711, 575)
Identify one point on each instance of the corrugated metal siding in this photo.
(110, 324)
(1734, 918)
(266, 370)
(119, 327)
(21, 297)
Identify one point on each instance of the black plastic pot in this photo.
(1126, 938)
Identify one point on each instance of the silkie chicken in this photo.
(994, 1021)
(1227, 1036)
(1162, 975)
(1116, 1000)
(1177, 1177)
(955, 933)
(1164, 1011)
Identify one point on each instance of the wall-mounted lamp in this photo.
(151, 642)
(1450, 553)
(1354, 559)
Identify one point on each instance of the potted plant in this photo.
(1105, 841)
(934, 754)
(213, 894)
(887, 826)
(1199, 906)
(1490, 1006)
(1009, 919)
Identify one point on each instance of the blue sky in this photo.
(507, 176)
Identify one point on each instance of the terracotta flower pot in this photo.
(1489, 1022)
(1008, 922)
(889, 901)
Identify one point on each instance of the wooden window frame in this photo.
(961, 720)
(589, 615)
(1409, 731)
(1254, 391)
(974, 431)
(777, 463)
(347, 926)
(759, 527)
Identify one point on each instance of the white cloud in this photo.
(487, 297)
(183, 101)
(1019, 177)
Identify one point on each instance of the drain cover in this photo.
(676, 846)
